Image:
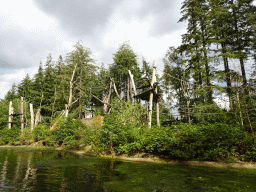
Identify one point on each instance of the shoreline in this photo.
(241, 165)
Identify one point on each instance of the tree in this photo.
(80, 62)
(124, 59)
(175, 75)
(12, 93)
(242, 31)
(37, 88)
(24, 88)
(195, 44)
(48, 86)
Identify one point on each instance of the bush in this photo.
(9, 136)
(68, 132)
(41, 132)
(122, 131)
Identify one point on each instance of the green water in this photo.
(24, 169)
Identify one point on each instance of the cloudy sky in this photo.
(31, 29)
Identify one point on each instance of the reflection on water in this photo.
(23, 169)
(45, 170)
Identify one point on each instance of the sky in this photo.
(31, 29)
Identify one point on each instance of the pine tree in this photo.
(24, 88)
(175, 74)
(124, 59)
(11, 94)
(84, 77)
(195, 44)
(48, 86)
(37, 88)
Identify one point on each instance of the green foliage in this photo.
(122, 130)
(68, 132)
(41, 133)
(4, 110)
(202, 141)
(9, 136)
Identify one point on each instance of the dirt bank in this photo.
(246, 165)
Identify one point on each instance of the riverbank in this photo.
(153, 159)
(246, 165)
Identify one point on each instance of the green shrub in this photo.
(68, 131)
(41, 132)
(9, 136)
(122, 131)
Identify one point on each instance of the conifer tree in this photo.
(81, 60)
(48, 86)
(124, 59)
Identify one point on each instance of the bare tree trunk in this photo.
(38, 117)
(55, 95)
(114, 85)
(21, 114)
(32, 116)
(70, 91)
(151, 96)
(132, 81)
(10, 115)
(106, 100)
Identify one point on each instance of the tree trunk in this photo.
(21, 115)
(10, 116)
(32, 116)
(70, 91)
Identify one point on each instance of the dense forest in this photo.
(220, 34)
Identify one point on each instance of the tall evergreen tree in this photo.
(81, 59)
(24, 88)
(12, 93)
(124, 59)
(37, 88)
(195, 43)
(48, 82)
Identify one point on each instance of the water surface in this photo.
(25, 169)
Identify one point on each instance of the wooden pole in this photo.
(10, 116)
(38, 116)
(21, 114)
(32, 116)
(133, 84)
(151, 97)
(114, 85)
(70, 91)
(157, 110)
(106, 101)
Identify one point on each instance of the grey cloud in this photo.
(18, 49)
(79, 17)
(166, 13)
(82, 17)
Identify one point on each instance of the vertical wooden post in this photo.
(38, 116)
(32, 116)
(151, 96)
(106, 100)
(241, 117)
(21, 114)
(133, 84)
(157, 110)
(70, 92)
(10, 116)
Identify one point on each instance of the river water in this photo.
(25, 169)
